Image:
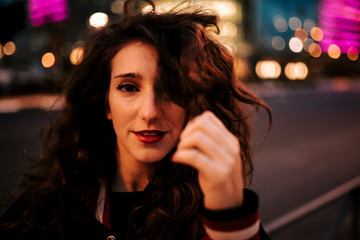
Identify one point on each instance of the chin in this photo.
(152, 157)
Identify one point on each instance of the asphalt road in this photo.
(313, 147)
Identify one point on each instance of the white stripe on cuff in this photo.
(100, 204)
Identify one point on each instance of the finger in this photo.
(212, 125)
(217, 122)
(195, 159)
(201, 121)
(212, 174)
(206, 145)
(209, 124)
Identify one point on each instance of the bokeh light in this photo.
(9, 48)
(228, 29)
(278, 43)
(317, 34)
(76, 55)
(315, 50)
(161, 7)
(334, 51)
(268, 69)
(280, 23)
(307, 44)
(295, 23)
(295, 45)
(244, 49)
(1, 51)
(242, 68)
(309, 24)
(296, 71)
(98, 19)
(48, 60)
(117, 7)
(301, 34)
(225, 8)
(353, 54)
(231, 47)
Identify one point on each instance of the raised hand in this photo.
(208, 146)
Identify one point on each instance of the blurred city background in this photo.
(300, 56)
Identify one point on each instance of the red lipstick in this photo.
(149, 136)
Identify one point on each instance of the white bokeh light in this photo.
(296, 71)
(268, 69)
(98, 19)
(296, 45)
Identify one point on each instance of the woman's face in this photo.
(147, 128)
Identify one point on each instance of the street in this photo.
(313, 147)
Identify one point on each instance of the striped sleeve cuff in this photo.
(237, 223)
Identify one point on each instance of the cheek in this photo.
(118, 109)
(178, 116)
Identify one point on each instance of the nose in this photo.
(150, 109)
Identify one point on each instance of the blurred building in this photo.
(40, 40)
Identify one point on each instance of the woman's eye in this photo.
(127, 87)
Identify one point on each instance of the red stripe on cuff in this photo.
(256, 237)
(234, 225)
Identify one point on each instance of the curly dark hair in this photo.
(78, 152)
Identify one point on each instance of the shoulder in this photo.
(50, 218)
(46, 225)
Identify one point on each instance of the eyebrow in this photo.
(128, 75)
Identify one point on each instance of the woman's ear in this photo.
(108, 114)
(107, 107)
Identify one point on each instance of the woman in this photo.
(152, 143)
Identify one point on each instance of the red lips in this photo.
(149, 136)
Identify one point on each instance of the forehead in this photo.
(136, 59)
(135, 51)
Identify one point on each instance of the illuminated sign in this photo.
(340, 23)
(43, 11)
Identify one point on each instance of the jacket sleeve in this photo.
(236, 223)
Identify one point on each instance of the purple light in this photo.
(340, 22)
(43, 11)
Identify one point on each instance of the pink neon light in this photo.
(42, 11)
(340, 22)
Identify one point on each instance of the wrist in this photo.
(248, 207)
(218, 200)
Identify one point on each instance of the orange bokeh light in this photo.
(48, 60)
(315, 50)
(334, 51)
(317, 34)
(301, 34)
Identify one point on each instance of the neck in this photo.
(130, 176)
